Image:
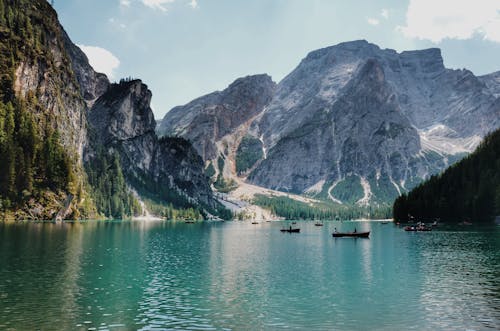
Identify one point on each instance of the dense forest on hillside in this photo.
(295, 210)
(110, 193)
(467, 191)
(34, 166)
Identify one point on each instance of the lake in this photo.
(236, 275)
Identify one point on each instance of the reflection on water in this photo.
(212, 276)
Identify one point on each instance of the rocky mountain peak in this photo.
(426, 60)
(218, 114)
(123, 112)
(350, 115)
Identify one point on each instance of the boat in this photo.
(290, 230)
(255, 222)
(420, 228)
(189, 222)
(385, 222)
(351, 234)
(294, 222)
(318, 224)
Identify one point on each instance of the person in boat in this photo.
(355, 230)
(290, 228)
(335, 230)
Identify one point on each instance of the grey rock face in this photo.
(57, 90)
(358, 134)
(492, 82)
(122, 120)
(380, 102)
(92, 84)
(391, 119)
(209, 118)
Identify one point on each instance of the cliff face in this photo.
(42, 173)
(354, 115)
(49, 76)
(49, 84)
(122, 121)
(206, 120)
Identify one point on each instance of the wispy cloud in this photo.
(157, 4)
(125, 3)
(373, 21)
(437, 20)
(385, 13)
(101, 59)
(193, 4)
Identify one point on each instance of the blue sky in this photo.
(183, 49)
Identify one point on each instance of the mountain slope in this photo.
(208, 119)
(43, 124)
(354, 115)
(72, 144)
(168, 169)
(467, 191)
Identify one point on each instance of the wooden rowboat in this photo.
(351, 234)
(290, 230)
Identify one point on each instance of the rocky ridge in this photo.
(55, 83)
(354, 115)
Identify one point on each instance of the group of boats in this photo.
(420, 227)
(335, 234)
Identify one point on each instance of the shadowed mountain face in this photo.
(353, 115)
(121, 120)
(206, 120)
(76, 119)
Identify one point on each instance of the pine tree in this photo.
(2, 13)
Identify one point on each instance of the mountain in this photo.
(467, 191)
(208, 119)
(353, 123)
(121, 121)
(74, 145)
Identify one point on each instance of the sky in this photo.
(183, 49)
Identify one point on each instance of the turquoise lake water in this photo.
(240, 276)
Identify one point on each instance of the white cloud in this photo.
(125, 3)
(373, 21)
(101, 59)
(385, 13)
(437, 20)
(194, 4)
(157, 4)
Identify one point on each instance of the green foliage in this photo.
(31, 162)
(224, 186)
(220, 164)
(110, 193)
(295, 210)
(468, 190)
(248, 153)
(348, 190)
(169, 212)
(221, 184)
(383, 189)
(210, 170)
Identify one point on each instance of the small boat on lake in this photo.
(351, 234)
(255, 222)
(290, 230)
(421, 227)
(189, 222)
(318, 224)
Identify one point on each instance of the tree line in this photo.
(296, 210)
(467, 191)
